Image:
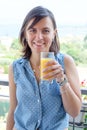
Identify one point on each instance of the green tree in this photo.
(15, 44)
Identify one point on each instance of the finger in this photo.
(54, 74)
(53, 67)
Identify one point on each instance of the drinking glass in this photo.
(45, 57)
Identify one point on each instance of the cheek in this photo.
(29, 38)
(50, 37)
(49, 40)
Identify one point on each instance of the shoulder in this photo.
(64, 58)
(15, 68)
(70, 66)
(16, 65)
(68, 59)
(19, 62)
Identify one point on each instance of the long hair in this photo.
(37, 13)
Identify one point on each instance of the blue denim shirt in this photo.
(38, 106)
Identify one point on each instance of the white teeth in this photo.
(38, 44)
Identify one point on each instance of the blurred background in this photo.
(71, 19)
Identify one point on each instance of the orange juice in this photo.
(43, 62)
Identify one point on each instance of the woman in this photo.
(35, 105)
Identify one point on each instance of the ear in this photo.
(55, 32)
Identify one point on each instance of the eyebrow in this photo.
(29, 28)
(35, 28)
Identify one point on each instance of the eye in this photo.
(46, 31)
(32, 30)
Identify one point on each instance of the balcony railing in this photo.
(4, 83)
(73, 121)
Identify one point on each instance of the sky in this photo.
(65, 11)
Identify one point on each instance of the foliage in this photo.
(85, 38)
(7, 56)
(15, 44)
(84, 83)
(4, 106)
(85, 42)
(77, 49)
(2, 47)
(85, 45)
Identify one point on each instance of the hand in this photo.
(53, 70)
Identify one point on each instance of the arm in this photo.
(70, 91)
(72, 96)
(13, 101)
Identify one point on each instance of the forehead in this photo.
(44, 22)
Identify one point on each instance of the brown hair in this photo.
(38, 13)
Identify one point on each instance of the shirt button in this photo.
(38, 100)
(38, 121)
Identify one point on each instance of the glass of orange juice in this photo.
(45, 57)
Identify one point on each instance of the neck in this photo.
(35, 60)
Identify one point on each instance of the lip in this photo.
(38, 45)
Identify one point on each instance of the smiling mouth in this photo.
(38, 44)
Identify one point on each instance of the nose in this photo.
(39, 35)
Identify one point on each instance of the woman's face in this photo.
(40, 36)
